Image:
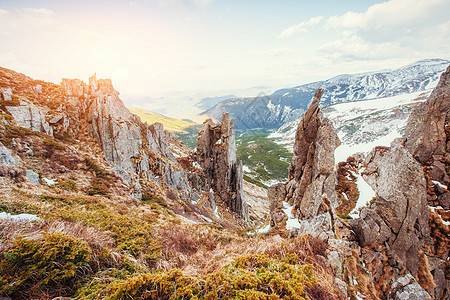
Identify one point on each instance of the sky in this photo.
(165, 55)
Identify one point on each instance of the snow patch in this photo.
(19, 217)
(366, 194)
(439, 184)
(50, 181)
(292, 221)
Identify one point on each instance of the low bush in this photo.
(68, 185)
(99, 186)
(248, 277)
(52, 265)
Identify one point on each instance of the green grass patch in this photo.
(266, 159)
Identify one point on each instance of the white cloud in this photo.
(396, 28)
(353, 47)
(301, 27)
(393, 13)
(3, 12)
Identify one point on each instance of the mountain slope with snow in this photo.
(362, 125)
(272, 111)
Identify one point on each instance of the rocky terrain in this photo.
(285, 105)
(96, 204)
(395, 246)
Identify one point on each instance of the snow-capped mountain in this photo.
(272, 111)
(361, 125)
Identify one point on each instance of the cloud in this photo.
(354, 48)
(301, 27)
(393, 13)
(396, 28)
(3, 12)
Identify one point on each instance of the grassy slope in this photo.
(94, 242)
(266, 159)
(170, 124)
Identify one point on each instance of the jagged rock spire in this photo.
(216, 154)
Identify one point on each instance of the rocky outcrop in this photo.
(312, 176)
(132, 146)
(6, 94)
(29, 116)
(6, 157)
(216, 154)
(407, 288)
(399, 216)
(427, 138)
(276, 194)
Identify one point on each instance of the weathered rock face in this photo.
(29, 116)
(276, 193)
(6, 94)
(399, 215)
(6, 157)
(428, 140)
(129, 144)
(426, 133)
(216, 154)
(407, 288)
(312, 176)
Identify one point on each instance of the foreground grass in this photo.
(92, 247)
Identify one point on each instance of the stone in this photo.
(276, 194)
(6, 94)
(341, 287)
(312, 175)
(407, 288)
(216, 154)
(33, 176)
(438, 270)
(400, 214)
(6, 157)
(29, 116)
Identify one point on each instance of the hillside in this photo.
(170, 124)
(272, 111)
(96, 204)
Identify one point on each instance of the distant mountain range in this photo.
(272, 111)
(361, 125)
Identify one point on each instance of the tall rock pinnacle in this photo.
(216, 154)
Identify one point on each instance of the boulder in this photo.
(30, 116)
(407, 288)
(399, 216)
(6, 157)
(6, 94)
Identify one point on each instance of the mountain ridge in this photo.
(284, 105)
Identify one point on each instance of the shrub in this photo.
(68, 184)
(98, 170)
(99, 186)
(149, 198)
(248, 277)
(49, 265)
